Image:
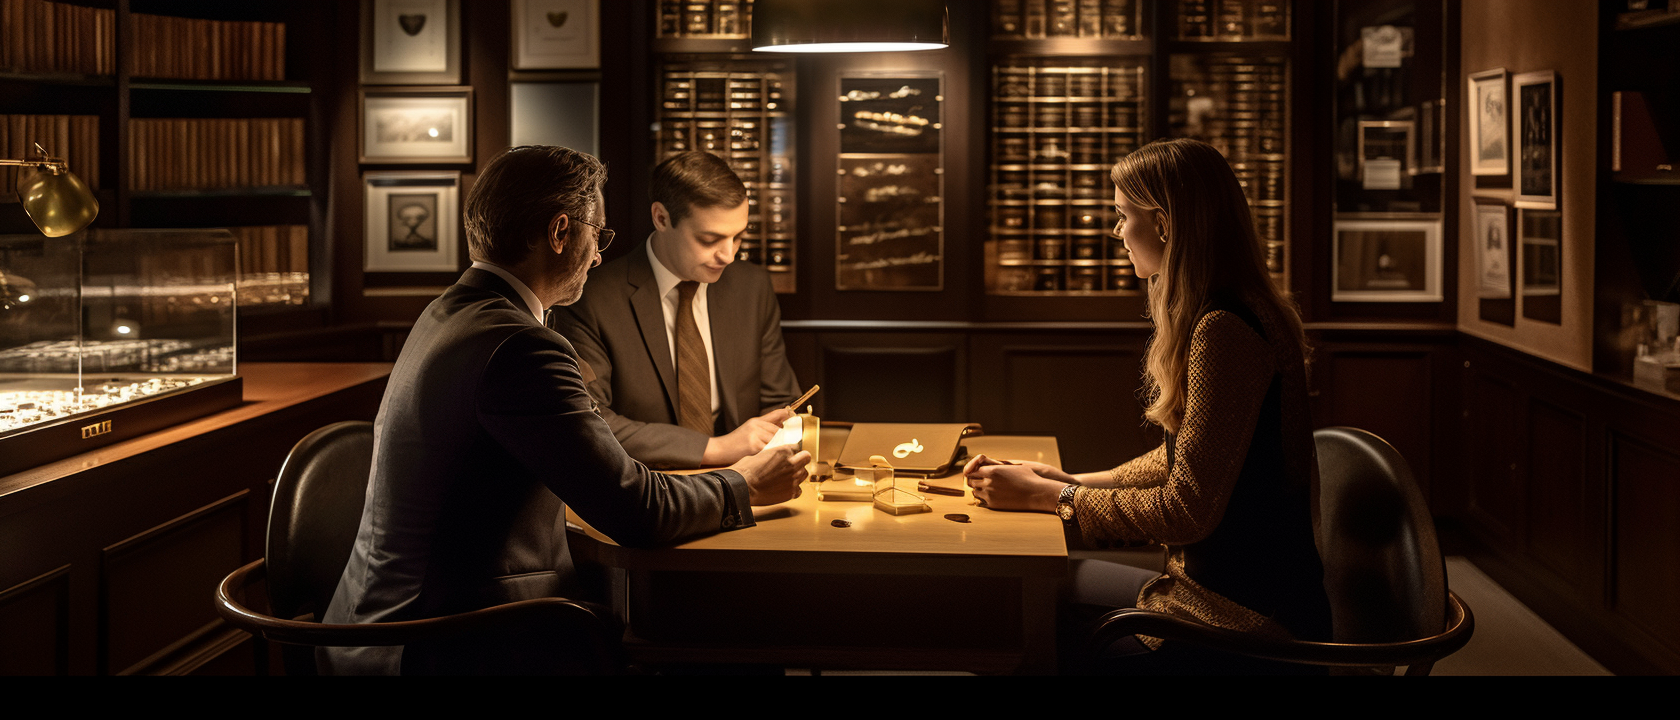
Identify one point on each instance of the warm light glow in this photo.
(23, 298)
(432, 132)
(124, 330)
(851, 47)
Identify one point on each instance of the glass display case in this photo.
(705, 18)
(742, 111)
(107, 335)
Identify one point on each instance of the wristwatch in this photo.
(1064, 504)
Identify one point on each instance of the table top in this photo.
(801, 536)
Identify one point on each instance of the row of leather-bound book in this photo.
(215, 153)
(74, 138)
(37, 36)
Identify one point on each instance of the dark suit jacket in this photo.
(619, 329)
(485, 434)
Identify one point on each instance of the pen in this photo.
(802, 398)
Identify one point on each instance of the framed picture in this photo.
(1387, 260)
(1386, 149)
(1490, 123)
(413, 221)
(890, 207)
(1534, 125)
(1542, 265)
(411, 42)
(416, 125)
(556, 34)
(1491, 236)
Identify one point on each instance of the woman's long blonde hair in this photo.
(1211, 248)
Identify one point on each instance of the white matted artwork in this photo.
(1386, 260)
(1534, 129)
(1491, 237)
(416, 125)
(413, 221)
(411, 42)
(556, 34)
(1490, 124)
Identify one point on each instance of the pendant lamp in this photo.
(837, 26)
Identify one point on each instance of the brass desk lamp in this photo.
(57, 201)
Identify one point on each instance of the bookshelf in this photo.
(181, 114)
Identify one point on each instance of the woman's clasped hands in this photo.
(1015, 485)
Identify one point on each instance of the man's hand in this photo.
(746, 440)
(774, 475)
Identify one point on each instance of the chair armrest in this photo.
(1129, 621)
(553, 612)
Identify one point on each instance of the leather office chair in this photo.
(312, 523)
(1383, 571)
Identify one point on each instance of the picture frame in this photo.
(556, 34)
(1488, 105)
(416, 126)
(1534, 130)
(1386, 259)
(1541, 233)
(1492, 235)
(1387, 153)
(411, 42)
(413, 221)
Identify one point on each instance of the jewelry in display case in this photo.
(108, 335)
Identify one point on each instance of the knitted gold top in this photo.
(1230, 373)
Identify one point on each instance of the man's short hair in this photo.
(520, 192)
(696, 179)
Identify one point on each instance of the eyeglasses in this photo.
(605, 238)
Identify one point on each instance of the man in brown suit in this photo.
(685, 343)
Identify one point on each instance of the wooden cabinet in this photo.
(109, 560)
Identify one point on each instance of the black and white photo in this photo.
(1491, 236)
(556, 34)
(412, 222)
(418, 125)
(1534, 124)
(1489, 108)
(411, 42)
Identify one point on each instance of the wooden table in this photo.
(913, 592)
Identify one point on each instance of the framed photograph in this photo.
(411, 42)
(1490, 123)
(1386, 152)
(556, 34)
(1534, 125)
(413, 221)
(1491, 236)
(1387, 260)
(1542, 265)
(416, 125)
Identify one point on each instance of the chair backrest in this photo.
(1383, 569)
(313, 518)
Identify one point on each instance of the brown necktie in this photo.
(694, 370)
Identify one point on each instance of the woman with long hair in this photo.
(1230, 492)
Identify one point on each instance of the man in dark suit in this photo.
(487, 432)
(686, 343)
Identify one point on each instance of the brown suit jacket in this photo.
(618, 328)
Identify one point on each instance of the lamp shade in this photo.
(828, 26)
(57, 201)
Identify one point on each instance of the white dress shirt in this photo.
(531, 301)
(669, 299)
